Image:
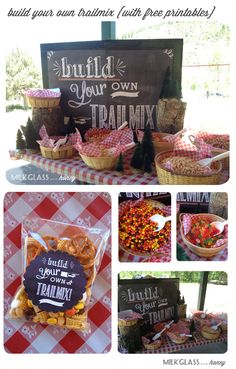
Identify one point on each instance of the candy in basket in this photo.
(60, 263)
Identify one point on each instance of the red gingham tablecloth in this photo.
(88, 209)
(221, 256)
(163, 256)
(169, 347)
(76, 168)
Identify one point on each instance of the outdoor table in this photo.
(187, 254)
(88, 209)
(76, 168)
(169, 347)
(160, 258)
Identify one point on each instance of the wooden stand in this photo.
(52, 118)
(170, 115)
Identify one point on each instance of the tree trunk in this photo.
(52, 118)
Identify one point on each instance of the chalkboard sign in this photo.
(193, 197)
(193, 202)
(154, 298)
(109, 82)
(164, 197)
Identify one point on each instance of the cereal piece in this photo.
(51, 242)
(75, 324)
(43, 316)
(34, 248)
(61, 313)
(70, 312)
(36, 308)
(186, 166)
(19, 312)
(79, 306)
(36, 319)
(80, 317)
(52, 321)
(12, 313)
(29, 313)
(53, 315)
(61, 320)
(29, 303)
(24, 301)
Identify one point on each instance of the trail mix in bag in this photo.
(60, 264)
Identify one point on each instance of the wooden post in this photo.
(52, 118)
(202, 290)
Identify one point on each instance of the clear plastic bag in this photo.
(60, 263)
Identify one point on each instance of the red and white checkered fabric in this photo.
(169, 347)
(204, 135)
(221, 256)
(43, 93)
(194, 148)
(89, 209)
(77, 169)
(112, 145)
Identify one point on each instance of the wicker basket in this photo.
(155, 204)
(155, 345)
(100, 163)
(201, 251)
(167, 177)
(210, 335)
(225, 162)
(40, 102)
(160, 146)
(62, 153)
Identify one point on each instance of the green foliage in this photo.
(20, 142)
(70, 127)
(147, 144)
(31, 135)
(147, 164)
(119, 165)
(185, 277)
(21, 74)
(12, 107)
(205, 43)
(137, 158)
(170, 88)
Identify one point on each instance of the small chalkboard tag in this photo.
(54, 281)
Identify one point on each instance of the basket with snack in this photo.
(56, 147)
(60, 264)
(180, 168)
(183, 165)
(138, 234)
(179, 332)
(102, 152)
(43, 98)
(219, 143)
(201, 236)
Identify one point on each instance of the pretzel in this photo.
(51, 242)
(34, 248)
